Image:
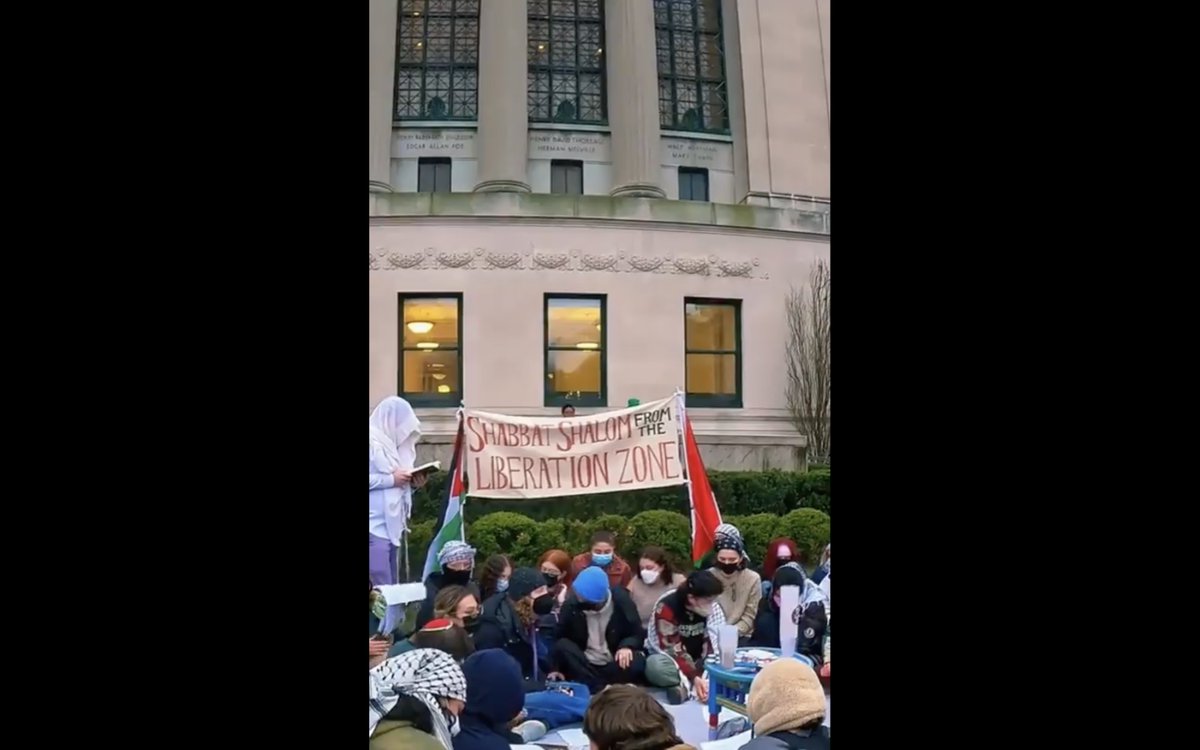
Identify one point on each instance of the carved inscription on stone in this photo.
(410, 143)
(556, 144)
(696, 153)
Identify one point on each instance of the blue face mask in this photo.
(502, 584)
(601, 560)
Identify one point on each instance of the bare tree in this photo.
(808, 360)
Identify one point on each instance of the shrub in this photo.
(618, 525)
(420, 534)
(809, 528)
(757, 530)
(505, 533)
(554, 533)
(671, 531)
(738, 492)
(812, 491)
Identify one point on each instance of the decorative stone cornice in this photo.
(805, 219)
(482, 259)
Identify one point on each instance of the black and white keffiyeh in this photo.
(727, 536)
(456, 551)
(425, 674)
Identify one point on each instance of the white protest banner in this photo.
(543, 457)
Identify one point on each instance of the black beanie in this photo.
(523, 581)
(788, 575)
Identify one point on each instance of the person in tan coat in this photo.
(625, 717)
(743, 587)
(787, 705)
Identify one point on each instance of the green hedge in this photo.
(738, 493)
(523, 539)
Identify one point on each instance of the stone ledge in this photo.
(658, 210)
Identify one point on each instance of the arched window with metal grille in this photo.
(691, 66)
(566, 61)
(437, 60)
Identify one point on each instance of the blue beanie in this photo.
(591, 585)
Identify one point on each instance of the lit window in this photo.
(713, 352)
(430, 358)
(575, 352)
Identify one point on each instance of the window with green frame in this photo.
(691, 66)
(566, 61)
(713, 352)
(576, 364)
(437, 60)
(430, 349)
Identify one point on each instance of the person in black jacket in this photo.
(600, 636)
(509, 622)
(457, 559)
(811, 616)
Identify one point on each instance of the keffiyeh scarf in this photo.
(727, 536)
(423, 674)
(455, 551)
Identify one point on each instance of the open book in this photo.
(432, 466)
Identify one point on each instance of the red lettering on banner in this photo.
(473, 427)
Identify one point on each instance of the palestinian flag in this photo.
(450, 525)
(706, 516)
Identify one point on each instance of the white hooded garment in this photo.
(395, 431)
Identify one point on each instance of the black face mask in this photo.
(471, 624)
(543, 605)
(455, 577)
(729, 567)
(550, 580)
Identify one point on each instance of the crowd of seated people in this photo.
(501, 655)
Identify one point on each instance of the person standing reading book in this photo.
(395, 431)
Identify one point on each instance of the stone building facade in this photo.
(588, 201)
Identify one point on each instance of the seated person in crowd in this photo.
(458, 605)
(509, 622)
(825, 666)
(383, 615)
(495, 696)
(823, 568)
(600, 636)
(741, 586)
(787, 705)
(457, 559)
(655, 578)
(682, 632)
(415, 701)
(780, 552)
(555, 565)
(625, 717)
(494, 577)
(444, 636)
(810, 629)
(603, 555)
(822, 577)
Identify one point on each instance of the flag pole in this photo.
(681, 421)
(462, 501)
